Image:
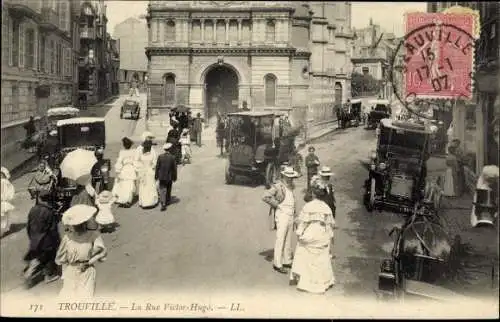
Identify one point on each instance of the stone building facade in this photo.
(133, 36)
(216, 55)
(474, 122)
(38, 63)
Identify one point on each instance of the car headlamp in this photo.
(382, 166)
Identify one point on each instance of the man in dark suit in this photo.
(166, 174)
(325, 174)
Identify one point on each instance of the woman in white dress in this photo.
(7, 193)
(145, 163)
(125, 185)
(78, 253)
(312, 264)
(105, 217)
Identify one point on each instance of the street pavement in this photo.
(215, 238)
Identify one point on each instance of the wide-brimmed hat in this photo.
(325, 171)
(105, 196)
(78, 214)
(5, 172)
(289, 172)
(167, 146)
(146, 135)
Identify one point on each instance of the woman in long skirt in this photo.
(7, 194)
(78, 252)
(312, 264)
(146, 165)
(124, 187)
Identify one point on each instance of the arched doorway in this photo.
(221, 92)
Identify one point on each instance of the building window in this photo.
(6, 51)
(67, 61)
(157, 31)
(64, 15)
(29, 60)
(170, 31)
(22, 44)
(59, 59)
(209, 31)
(270, 31)
(196, 31)
(270, 89)
(15, 43)
(41, 51)
(169, 89)
(15, 98)
(52, 56)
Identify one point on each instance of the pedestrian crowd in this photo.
(309, 266)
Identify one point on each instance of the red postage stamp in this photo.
(439, 55)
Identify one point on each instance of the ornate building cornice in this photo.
(235, 51)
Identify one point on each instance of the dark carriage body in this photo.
(130, 108)
(379, 109)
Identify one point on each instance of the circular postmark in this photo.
(433, 63)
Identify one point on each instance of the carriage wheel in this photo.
(371, 201)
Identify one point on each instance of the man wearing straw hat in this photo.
(281, 198)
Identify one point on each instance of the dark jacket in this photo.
(197, 124)
(329, 198)
(42, 230)
(166, 168)
(312, 167)
(173, 136)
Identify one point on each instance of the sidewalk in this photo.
(17, 162)
(476, 266)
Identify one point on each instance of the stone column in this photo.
(227, 30)
(214, 22)
(239, 30)
(202, 26)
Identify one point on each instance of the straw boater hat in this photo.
(167, 146)
(325, 171)
(5, 172)
(78, 214)
(146, 135)
(105, 196)
(289, 172)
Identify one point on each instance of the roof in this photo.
(62, 110)
(406, 126)
(80, 120)
(380, 102)
(356, 100)
(251, 113)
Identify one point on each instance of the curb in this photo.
(311, 139)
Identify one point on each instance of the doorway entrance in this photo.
(221, 93)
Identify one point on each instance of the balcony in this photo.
(86, 62)
(50, 20)
(87, 33)
(22, 8)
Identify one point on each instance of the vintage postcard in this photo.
(249, 159)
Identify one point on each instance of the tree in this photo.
(364, 83)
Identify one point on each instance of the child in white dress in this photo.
(105, 217)
(185, 141)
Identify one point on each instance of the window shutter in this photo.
(35, 49)
(22, 44)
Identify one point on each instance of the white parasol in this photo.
(77, 164)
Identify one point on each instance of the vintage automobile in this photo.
(397, 173)
(87, 133)
(349, 114)
(379, 109)
(131, 108)
(420, 264)
(259, 142)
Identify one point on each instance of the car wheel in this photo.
(229, 175)
(271, 174)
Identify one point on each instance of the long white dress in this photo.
(146, 166)
(7, 194)
(125, 185)
(312, 262)
(73, 251)
(105, 215)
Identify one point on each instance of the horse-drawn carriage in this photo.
(379, 109)
(259, 142)
(350, 114)
(397, 173)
